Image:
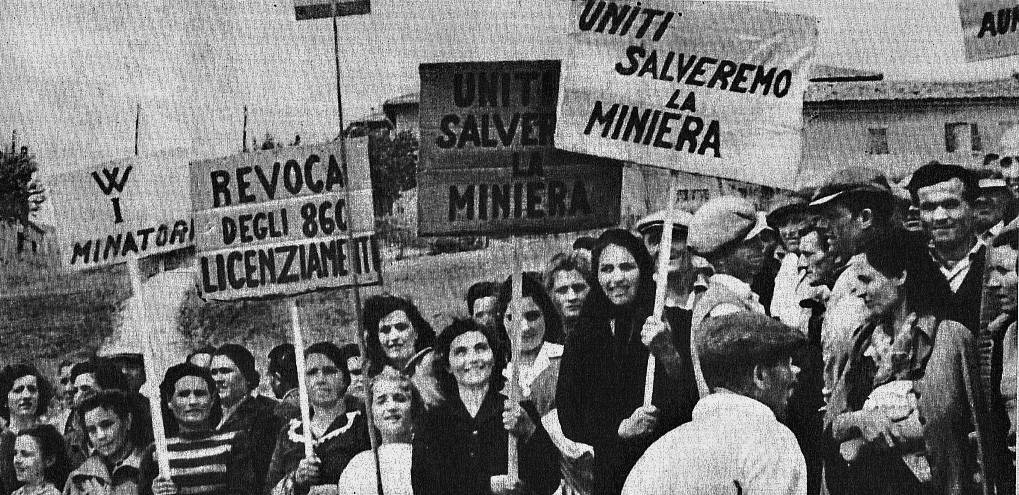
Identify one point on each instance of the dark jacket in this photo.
(601, 383)
(346, 437)
(965, 303)
(255, 416)
(455, 453)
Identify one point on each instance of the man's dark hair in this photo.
(106, 374)
(732, 345)
(283, 363)
(936, 172)
(479, 290)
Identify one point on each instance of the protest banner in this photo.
(488, 165)
(712, 88)
(277, 222)
(989, 28)
(322, 9)
(135, 207)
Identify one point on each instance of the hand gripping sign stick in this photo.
(513, 464)
(152, 378)
(302, 380)
(664, 253)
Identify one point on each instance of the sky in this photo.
(75, 72)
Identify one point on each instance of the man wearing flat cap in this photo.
(726, 232)
(736, 442)
(995, 206)
(945, 195)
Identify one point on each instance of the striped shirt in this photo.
(208, 463)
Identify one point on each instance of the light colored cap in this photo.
(679, 218)
(721, 221)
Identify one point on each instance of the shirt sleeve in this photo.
(775, 464)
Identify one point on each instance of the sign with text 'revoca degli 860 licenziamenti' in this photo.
(275, 222)
(135, 207)
(711, 88)
(487, 161)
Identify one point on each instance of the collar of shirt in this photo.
(731, 404)
(958, 271)
(738, 287)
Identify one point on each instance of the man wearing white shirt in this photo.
(736, 442)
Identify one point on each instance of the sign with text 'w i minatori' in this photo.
(487, 159)
(135, 207)
(276, 222)
(711, 88)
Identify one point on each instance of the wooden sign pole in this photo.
(664, 254)
(517, 289)
(302, 381)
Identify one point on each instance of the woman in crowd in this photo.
(398, 336)
(40, 460)
(899, 409)
(600, 392)
(113, 467)
(460, 446)
(201, 459)
(26, 394)
(337, 434)
(566, 281)
(540, 357)
(396, 405)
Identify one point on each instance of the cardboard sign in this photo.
(989, 28)
(275, 222)
(487, 162)
(712, 88)
(136, 207)
(320, 9)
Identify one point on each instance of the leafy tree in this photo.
(20, 193)
(393, 161)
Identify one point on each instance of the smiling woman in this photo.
(24, 394)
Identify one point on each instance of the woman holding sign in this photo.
(337, 434)
(600, 394)
(461, 446)
(201, 459)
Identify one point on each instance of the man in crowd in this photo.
(726, 232)
(852, 205)
(684, 284)
(282, 372)
(736, 442)
(233, 370)
(1009, 162)
(481, 302)
(994, 207)
(89, 378)
(945, 195)
(791, 219)
(356, 389)
(133, 367)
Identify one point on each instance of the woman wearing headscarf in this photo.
(337, 434)
(24, 396)
(899, 409)
(461, 445)
(201, 459)
(396, 405)
(600, 393)
(396, 335)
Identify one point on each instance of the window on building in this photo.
(976, 143)
(877, 141)
(962, 136)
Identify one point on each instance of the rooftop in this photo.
(820, 92)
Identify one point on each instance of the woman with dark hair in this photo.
(25, 395)
(398, 336)
(461, 445)
(40, 461)
(337, 434)
(107, 419)
(600, 393)
(396, 406)
(900, 409)
(201, 459)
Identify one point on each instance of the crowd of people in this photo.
(859, 338)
